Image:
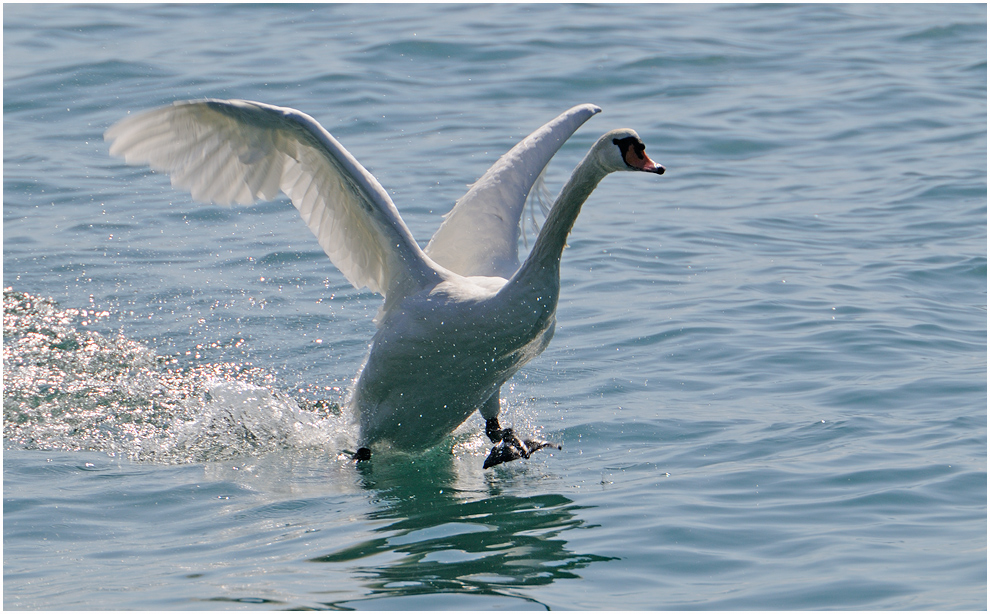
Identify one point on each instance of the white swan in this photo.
(459, 318)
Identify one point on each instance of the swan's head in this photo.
(623, 150)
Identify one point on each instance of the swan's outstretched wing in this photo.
(480, 235)
(237, 151)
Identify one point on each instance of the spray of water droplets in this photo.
(69, 388)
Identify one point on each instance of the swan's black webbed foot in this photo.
(508, 447)
(363, 454)
(494, 431)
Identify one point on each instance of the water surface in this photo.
(769, 371)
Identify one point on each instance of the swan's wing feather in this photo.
(480, 235)
(236, 151)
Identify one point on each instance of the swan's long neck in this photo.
(544, 259)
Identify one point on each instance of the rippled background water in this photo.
(769, 372)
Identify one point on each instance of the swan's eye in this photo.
(632, 150)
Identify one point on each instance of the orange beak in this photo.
(639, 160)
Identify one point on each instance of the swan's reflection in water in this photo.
(448, 539)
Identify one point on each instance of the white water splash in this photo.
(67, 388)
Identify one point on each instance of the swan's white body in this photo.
(459, 318)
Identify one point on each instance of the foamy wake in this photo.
(68, 388)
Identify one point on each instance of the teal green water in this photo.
(769, 371)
